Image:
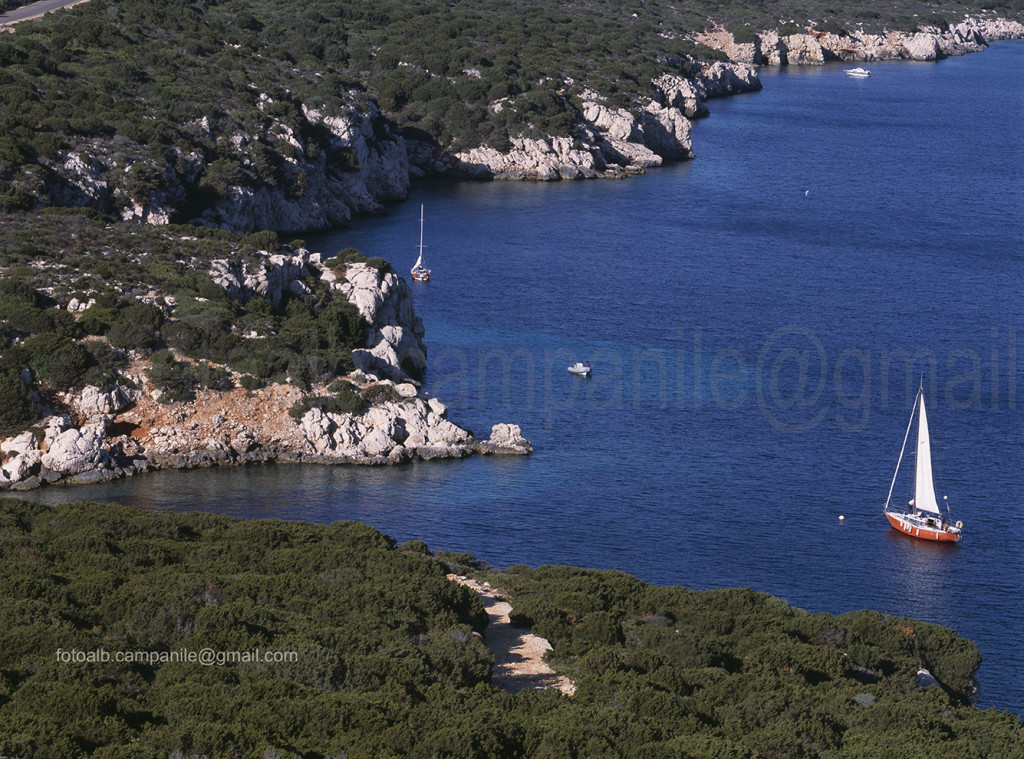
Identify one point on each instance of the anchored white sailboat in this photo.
(924, 520)
(420, 273)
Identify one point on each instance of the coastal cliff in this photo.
(332, 166)
(174, 399)
(929, 43)
(270, 119)
(609, 142)
(350, 162)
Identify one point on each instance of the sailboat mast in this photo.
(902, 449)
(421, 231)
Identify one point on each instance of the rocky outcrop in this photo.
(265, 276)
(75, 450)
(721, 79)
(91, 401)
(355, 165)
(610, 142)
(102, 433)
(394, 348)
(387, 433)
(814, 47)
(364, 165)
(505, 439)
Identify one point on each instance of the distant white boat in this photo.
(419, 272)
(857, 72)
(581, 369)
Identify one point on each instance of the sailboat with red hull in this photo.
(924, 520)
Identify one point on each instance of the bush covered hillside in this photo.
(183, 101)
(386, 665)
(81, 297)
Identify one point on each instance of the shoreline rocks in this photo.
(814, 47)
(95, 434)
(610, 142)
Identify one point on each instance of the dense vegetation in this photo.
(155, 90)
(387, 665)
(150, 290)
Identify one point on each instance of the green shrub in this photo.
(934, 19)
(344, 399)
(97, 320)
(381, 393)
(18, 291)
(250, 383)
(743, 35)
(211, 377)
(347, 256)
(131, 335)
(58, 360)
(831, 26)
(31, 321)
(15, 403)
(789, 28)
(171, 377)
(266, 240)
(185, 336)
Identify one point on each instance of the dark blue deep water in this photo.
(745, 314)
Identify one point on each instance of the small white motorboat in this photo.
(857, 72)
(581, 369)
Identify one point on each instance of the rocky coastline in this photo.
(812, 47)
(611, 142)
(366, 163)
(93, 434)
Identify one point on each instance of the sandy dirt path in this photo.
(519, 654)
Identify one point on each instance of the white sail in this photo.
(419, 259)
(924, 487)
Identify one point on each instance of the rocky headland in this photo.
(610, 142)
(94, 434)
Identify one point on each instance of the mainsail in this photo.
(419, 259)
(924, 488)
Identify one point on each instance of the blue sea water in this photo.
(758, 321)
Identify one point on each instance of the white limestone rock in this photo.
(394, 348)
(406, 390)
(680, 93)
(92, 401)
(506, 439)
(922, 47)
(21, 456)
(546, 159)
(722, 79)
(798, 50)
(617, 124)
(273, 275)
(666, 131)
(74, 451)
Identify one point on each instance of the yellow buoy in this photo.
(959, 524)
(841, 517)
